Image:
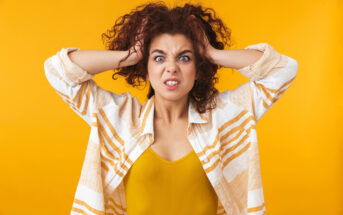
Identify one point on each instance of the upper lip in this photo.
(171, 79)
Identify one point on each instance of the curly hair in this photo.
(158, 19)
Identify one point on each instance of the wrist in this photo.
(132, 59)
(212, 54)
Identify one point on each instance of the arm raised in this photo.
(235, 58)
(270, 74)
(97, 61)
(71, 77)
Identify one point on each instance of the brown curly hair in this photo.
(159, 19)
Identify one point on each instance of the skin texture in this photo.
(165, 62)
(171, 56)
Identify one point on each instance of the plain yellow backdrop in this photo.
(43, 142)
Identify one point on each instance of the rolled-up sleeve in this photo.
(269, 77)
(75, 85)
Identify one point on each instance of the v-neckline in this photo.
(167, 161)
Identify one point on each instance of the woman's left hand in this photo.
(209, 49)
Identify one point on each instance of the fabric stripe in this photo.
(77, 210)
(265, 105)
(235, 138)
(107, 152)
(104, 166)
(255, 209)
(235, 119)
(110, 126)
(106, 160)
(127, 159)
(206, 148)
(203, 117)
(72, 105)
(110, 207)
(212, 147)
(214, 165)
(109, 140)
(217, 152)
(79, 202)
(225, 125)
(87, 99)
(79, 95)
(228, 150)
(121, 153)
(237, 128)
(277, 90)
(63, 95)
(142, 108)
(114, 167)
(241, 130)
(228, 160)
(279, 94)
(116, 204)
(150, 139)
(220, 208)
(261, 87)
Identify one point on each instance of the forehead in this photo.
(171, 43)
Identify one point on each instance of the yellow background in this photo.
(43, 142)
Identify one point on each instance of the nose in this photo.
(172, 66)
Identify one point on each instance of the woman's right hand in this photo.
(135, 51)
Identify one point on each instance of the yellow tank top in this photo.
(155, 186)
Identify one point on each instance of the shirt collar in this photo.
(146, 117)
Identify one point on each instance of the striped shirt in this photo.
(224, 138)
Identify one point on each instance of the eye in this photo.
(185, 58)
(158, 58)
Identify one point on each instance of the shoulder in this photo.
(231, 102)
(121, 106)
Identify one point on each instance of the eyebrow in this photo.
(180, 53)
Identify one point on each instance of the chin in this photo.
(173, 96)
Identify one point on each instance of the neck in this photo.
(169, 111)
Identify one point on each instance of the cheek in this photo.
(191, 72)
(153, 72)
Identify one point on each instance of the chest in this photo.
(170, 141)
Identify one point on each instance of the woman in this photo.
(187, 150)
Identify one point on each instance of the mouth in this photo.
(171, 85)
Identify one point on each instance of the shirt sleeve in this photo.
(269, 77)
(75, 85)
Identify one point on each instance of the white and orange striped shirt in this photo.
(224, 139)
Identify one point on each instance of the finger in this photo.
(139, 35)
(142, 25)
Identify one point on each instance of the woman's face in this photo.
(171, 57)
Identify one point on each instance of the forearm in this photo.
(234, 58)
(97, 61)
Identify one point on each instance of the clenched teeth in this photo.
(172, 82)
